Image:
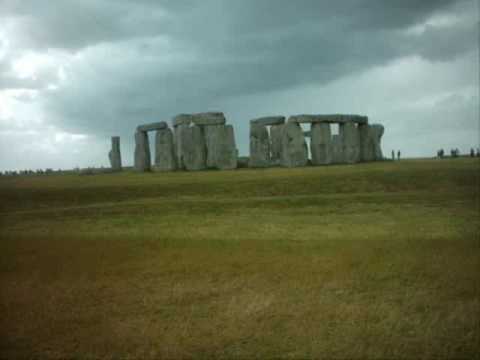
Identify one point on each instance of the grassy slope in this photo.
(374, 260)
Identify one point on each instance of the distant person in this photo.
(393, 155)
(398, 154)
(472, 152)
(478, 152)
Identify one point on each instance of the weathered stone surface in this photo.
(294, 150)
(182, 119)
(269, 120)
(142, 152)
(164, 151)
(329, 118)
(208, 118)
(351, 142)
(276, 146)
(194, 154)
(114, 155)
(153, 126)
(321, 144)
(337, 150)
(179, 138)
(375, 133)
(259, 146)
(221, 148)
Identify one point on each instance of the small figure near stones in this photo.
(472, 152)
(398, 154)
(393, 155)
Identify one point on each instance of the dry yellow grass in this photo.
(367, 261)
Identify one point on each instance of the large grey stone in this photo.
(328, 118)
(182, 119)
(370, 142)
(294, 150)
(221, 148)
(375, 133)
(321, 144)
(194, 154)
(351, 142)
(208, 118)
(153, 126)
(179, 138)
(276, 135)
(337, 150)
(164, 151)
(269, 120)
(114, 155)
(259, 146)
(142, 152)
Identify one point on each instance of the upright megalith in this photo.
(276, 135)
(350, 137)
(294, 146)
(180, 123)
(114, 155)
(321, 144)
(375, 133)
(259, 146)
(193, 148)
(164, 151)
(142, 152)
(337, 149)
(220, 147)
(265, 147)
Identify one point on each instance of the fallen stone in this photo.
(142, 152)
(259, 146)
(193, 150)
(321, 144)
(164, 151)
(221, 148)
(294, 150)
(269, 120)
(114, 155)
(153, 126)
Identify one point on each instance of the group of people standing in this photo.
(398, 155)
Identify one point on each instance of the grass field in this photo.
(376, 260)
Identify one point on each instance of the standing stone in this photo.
(351, 142)
(276, 144)
(365, 154)
(321, 144)
(221, 148)
(180, 123)
(164, 151)
(337, 149)
(259, 146)
(114, 155)
(193, 148)
(142, 152)
(294, 150)
(375, 133)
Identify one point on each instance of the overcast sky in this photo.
(75, 72)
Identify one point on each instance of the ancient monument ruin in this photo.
(114, 154)
(204, 141)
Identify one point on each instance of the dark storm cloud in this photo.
(148, 60)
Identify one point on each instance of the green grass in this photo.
(374, 260)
